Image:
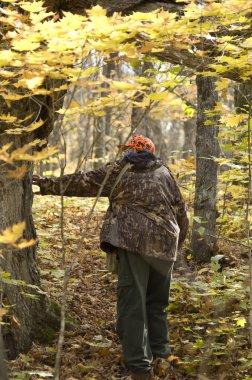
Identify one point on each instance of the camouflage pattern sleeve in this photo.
(82, 184)
(182, 219)
(182, 212)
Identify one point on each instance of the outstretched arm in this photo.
(182, 219)
(81, 184)
(182, 213)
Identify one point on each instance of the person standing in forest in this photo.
(145, 225)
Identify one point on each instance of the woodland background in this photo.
(78, 78)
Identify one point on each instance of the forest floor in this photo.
(208, 312)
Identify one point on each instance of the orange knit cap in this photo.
(139, 142)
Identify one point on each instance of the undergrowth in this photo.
(207, 315)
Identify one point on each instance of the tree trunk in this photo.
(103, 123)
(15, 206)
(189, 138)
(207, 146)
(242, 96)
(27, 315)
(3, 366)
(99, 148)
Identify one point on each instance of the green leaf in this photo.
(201, 230)
(198, 343)
(241, 322)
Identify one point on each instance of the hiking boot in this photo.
(161, 366)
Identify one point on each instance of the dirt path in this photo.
(91, 349)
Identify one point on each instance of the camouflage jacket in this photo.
(146, 214)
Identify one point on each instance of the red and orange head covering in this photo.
(139, 142)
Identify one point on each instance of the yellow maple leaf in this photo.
(26, 243)
(22, 153)
(34, 126)
(247, 43)
(36, 6)
(12, 234)
(3, 311)
(4, 155)
(124, 85)
(140, 16)
(33, 83)
(14, 131)
(98, 12)
(38, 17)
(7, 57)
(233, 120)
(13, 96)
(7, 73)
(158, 96)
(8, 118)
(25, 45)
(173, 358)
(222, 84)
(18, 173)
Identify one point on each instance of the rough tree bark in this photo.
(3, 366)
(25, 314)
(207, 146)
(15, 206)
(101, 125)
(242, 96)
(189, 135)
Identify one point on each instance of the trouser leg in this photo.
(157, 301)
(132, 326)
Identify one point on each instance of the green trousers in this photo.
(143, 294)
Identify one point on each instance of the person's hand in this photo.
(37, 180)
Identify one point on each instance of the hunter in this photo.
(145, 225)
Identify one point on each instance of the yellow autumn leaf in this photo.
(86, 73)
(12, 234)
(233, 120)
(241, 322)
(158, 96)
(38, 17)
(124, 85)
(173, 358)
(8, 118)
(98, 12)
(13, 96)
(140, 16)
(7, 74)
(74, 104)
(3, 311)
(222, 84)
(34, 126)
(14, 131)
(33, 83)
(7, 57)
(25, 243)
(36, 6)
(18, 173)
(25, 45)
(5, 156)
(46, 152)
(247, 43)
(22, 154)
